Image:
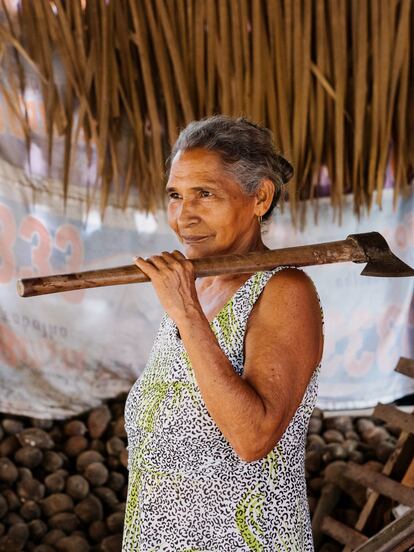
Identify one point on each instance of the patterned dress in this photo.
(188, 491)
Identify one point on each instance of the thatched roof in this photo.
(333, 79)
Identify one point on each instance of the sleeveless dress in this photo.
(188, 491)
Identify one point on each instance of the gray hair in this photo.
(247, 151)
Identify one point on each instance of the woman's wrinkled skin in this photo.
(211, 215)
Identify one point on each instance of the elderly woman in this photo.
(217, 422)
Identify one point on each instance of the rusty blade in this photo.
(381, 261)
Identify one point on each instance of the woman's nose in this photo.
(188, 212)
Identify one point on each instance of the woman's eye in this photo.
(205, 193)
(173, 195)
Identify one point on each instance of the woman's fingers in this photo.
(172, 276)
(157, 263)
(184, 262)
(175, 259)
(147, 268)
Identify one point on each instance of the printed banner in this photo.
(61, 354)
(369, 321)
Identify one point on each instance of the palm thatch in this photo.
(333, 80)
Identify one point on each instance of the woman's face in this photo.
(207, 209)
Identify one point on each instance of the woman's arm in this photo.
(282, 348)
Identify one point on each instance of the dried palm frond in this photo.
(333, 80)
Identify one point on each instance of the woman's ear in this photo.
(264, 196)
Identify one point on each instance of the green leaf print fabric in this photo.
(188, 491)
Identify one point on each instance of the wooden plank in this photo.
(330, 495)
(335, 473)
(404, 545)
(408, 478)
(342, 533)
(397, 462)
(405, 366)
(380, 483)
(394, 416)
(398, 531)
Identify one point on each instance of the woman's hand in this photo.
(172, 276)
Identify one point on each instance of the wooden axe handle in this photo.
(304, 255)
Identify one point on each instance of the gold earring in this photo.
(260, 218)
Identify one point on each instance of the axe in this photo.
(370, 248)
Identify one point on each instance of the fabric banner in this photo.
(61, 354)
(369, 321)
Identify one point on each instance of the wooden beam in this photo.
(330, 495)
(408, 478)
(392, 536)
(336, 474)
(395, 467)
(394, 416)
(380, 483)
(405, 366)
(342, 533)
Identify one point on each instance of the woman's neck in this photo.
(254, 245)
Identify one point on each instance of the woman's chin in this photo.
(194, 250)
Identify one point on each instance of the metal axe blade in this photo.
(381, 261)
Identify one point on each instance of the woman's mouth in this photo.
(194, 239)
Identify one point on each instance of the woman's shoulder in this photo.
(289, 291)
(288, 308)
(290, 279)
